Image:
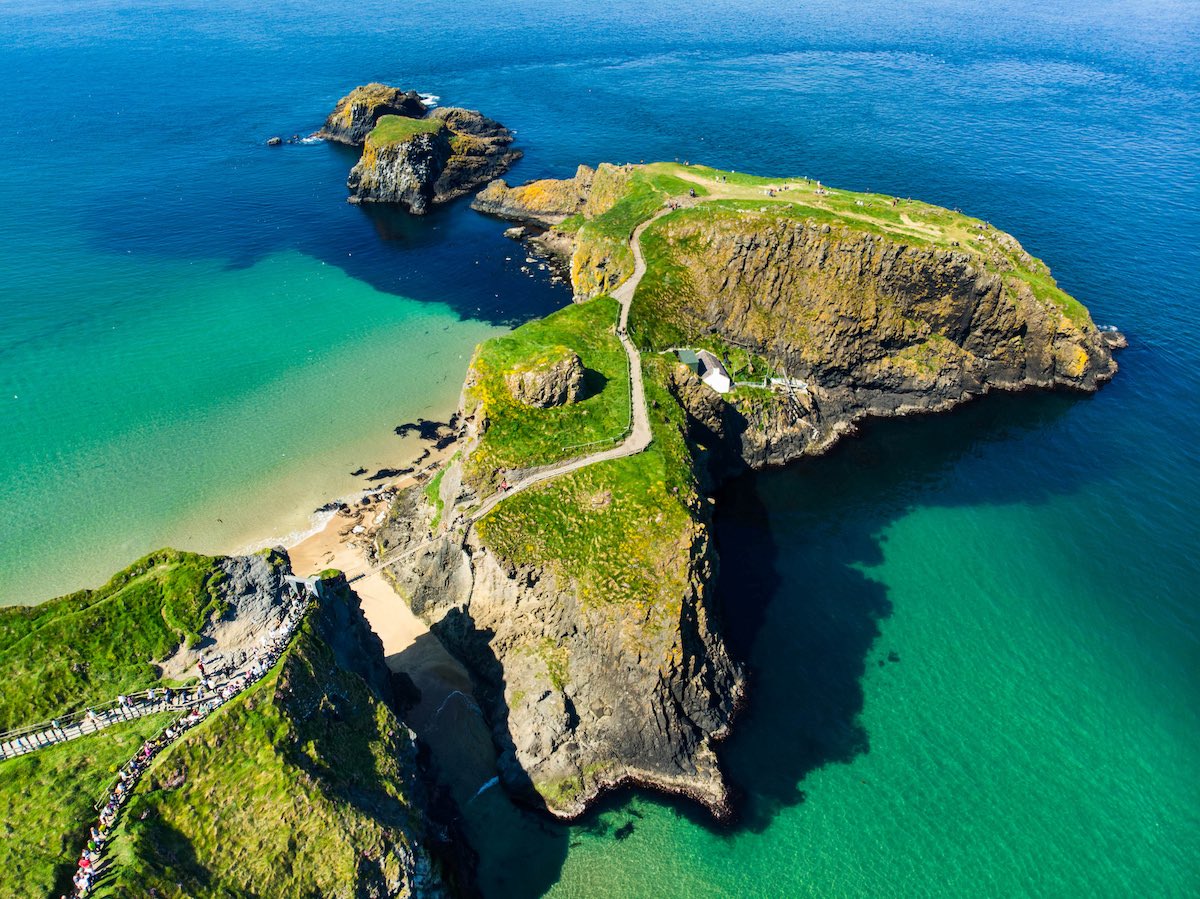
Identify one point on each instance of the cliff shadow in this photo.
(798, 608)
(520, 850)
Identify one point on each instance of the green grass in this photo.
(395, 129)
(662, 312)
(606, 236)
(620, 530)
(86, 648)
(301, 787)
(46, 805)
(433, 494)
(520, 436)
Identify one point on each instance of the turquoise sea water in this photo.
(199, 339)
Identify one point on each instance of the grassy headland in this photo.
(300, 787)
(617, 529)
(87, 647)
(46, 805)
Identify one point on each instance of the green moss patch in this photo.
(395, 129)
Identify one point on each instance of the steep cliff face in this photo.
(585, 613)
(359, 111)
(871, 325)
(416, 162)
(583, 605)
(861, 305)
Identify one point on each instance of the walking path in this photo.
(90, 721)
(209, 699)
(127, 707)
(639, 435)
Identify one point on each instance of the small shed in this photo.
(690, 359)
(713, 373)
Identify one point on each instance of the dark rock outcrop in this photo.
(361, 109)
(580, 697)
(861, 325)
(451, 154)
(555, 380)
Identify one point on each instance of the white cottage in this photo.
(713, 373)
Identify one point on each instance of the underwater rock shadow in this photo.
(797, 608)
(452, 256)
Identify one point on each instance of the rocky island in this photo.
(413, 156)
(583, 605)
(564, 555)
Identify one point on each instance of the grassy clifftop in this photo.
(87, 647)
(520, 436)
(303, 786)
(621, 198)
(394, 129)
(620, 530)
(46, 805)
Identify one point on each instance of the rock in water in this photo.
(417, 162)
(359, 111)
(546, 202)
(555, 379)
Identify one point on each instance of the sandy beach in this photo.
(343, 543)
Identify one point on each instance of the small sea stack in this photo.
(411, 156)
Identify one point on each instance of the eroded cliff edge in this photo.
(584, 606)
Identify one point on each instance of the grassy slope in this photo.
(394, 129)
(89, 646)
(621, 201)
(295, 789)
(519, 436)
(46, 805)
(612, 527)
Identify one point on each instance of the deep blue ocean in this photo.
(974, 639)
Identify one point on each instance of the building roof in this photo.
(710, 363)
(687, 357)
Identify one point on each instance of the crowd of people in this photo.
(212, 696)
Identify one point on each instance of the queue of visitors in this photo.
(212, 697)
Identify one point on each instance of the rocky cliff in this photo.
(859, 324)
(416, 162)
(315, 750)
(361, 109)
(546, 202)
(583, 606)
(856, 305)
(584, 611)
(305, 784)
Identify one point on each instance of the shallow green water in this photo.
(186, 423)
